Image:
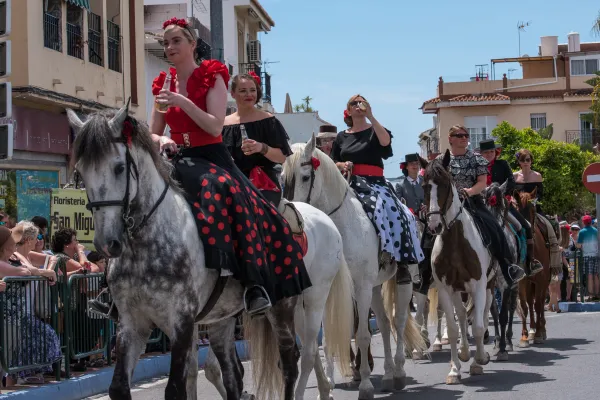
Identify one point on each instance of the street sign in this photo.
(591, 178)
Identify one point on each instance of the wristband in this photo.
(265, 149)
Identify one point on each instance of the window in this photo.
(95, 38)
(538, 121)
(584, 67)
(114, 46)
(74, 31)
(52, 25)
(480, 128)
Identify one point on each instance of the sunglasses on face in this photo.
(355, 103)
(2, 223)
(461, 135)
(526, 160)
(40, 236)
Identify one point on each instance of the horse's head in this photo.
(496, 201)
(111, 152)
(309, 172)
(526, 203)
(440, 192)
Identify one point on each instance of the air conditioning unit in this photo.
(254, 51)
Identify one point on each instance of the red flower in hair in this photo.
(346, 115)
(176, 21)
(255, 77)
(128, 132)
(492, 201)
(315, 163)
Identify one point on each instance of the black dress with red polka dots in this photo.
(241, 231)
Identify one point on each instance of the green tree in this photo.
(305, 106)
(561, 164)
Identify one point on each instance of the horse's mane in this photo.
(95, 140)
(525, 198)
(336, 184)
(435, 169)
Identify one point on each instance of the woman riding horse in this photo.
(499, 171)
(256, 139)
(469, 171)
(359, 151)
(241, 231)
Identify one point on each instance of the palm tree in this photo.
(596, 26)
(306, 101)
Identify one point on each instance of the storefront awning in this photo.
(81, 3)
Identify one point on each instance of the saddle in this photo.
(547, 230)
(296, 222)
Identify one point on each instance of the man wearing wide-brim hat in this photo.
(326, 137)
(499, 171)
(409, 187)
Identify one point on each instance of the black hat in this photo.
(488, 144)
(327, 131)
(409, 158)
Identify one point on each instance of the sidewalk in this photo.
(95, 382)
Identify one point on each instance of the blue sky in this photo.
(393, 53)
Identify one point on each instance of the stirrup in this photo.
(536, 270)
(95, 311)
(261, 309)
(515, 282)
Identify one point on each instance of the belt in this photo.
(195, 139)
(366, 170)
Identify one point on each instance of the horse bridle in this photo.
(129, 222)
(444, 209)
(312, 184)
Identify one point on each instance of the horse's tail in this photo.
(413, 338)
(339, 318)
(262, 341)
(433, 297)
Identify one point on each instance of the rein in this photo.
(444, 210)
(129, 222)
(312, 184)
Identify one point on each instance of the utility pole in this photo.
(216, 29)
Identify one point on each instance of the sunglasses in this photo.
(40, 236)
(2, 223)
(355, 103)
(461, 135)
(526, 160)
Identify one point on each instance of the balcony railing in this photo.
(95, 39)
(74, 41)
(52, 32)
(114, 44)
(266, 81)
(246, 68)
(587, 137)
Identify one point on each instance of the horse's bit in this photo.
(312, 184)
(129, 222)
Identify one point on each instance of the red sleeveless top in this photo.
(183, 128)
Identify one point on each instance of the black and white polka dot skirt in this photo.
(393, 221)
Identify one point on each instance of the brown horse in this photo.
(533, 291)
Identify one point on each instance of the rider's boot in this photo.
(256, 300)
(107, 310)
(532, 266)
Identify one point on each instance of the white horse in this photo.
(330, 295)
(459, 261)
(311, 176)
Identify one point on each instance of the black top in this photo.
(361, 148)
(529, 186)
(269, 131)
(501, 173)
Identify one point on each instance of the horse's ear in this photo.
(503, 186)
(74, 121)
(517, 197)
(311, 145)
(534, 192)
(423, 162)
(446, 159)
(116, 123)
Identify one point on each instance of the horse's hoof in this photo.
(366, 394)
(387, 385)
(445, 341)
(509, 347)
(495, 351)
(531, 335)
(452, 379)
(330, 397)
(476, 370)
(247, 396)
(502, 356)
(484, 361)
(418, 355)
(538, 340)
(437, 347)
(400, 383)
(464, 356)
(524, 344)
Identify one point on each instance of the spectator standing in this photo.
(587, 241)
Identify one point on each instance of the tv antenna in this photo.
(521, 28)
(266, 62)
(511, 70)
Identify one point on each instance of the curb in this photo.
(579, 307)
(98, 382)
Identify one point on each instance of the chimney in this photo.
(574, 42)
(440, 87)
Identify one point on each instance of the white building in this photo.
(243, 20)
(300, 126)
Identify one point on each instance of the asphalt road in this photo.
(565, 367)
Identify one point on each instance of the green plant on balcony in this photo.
(594, 117)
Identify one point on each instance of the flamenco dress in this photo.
(240, 229)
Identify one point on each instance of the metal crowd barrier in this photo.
(63, 308)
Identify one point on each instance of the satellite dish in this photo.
(525, 56)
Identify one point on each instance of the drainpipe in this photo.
(535, 84)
